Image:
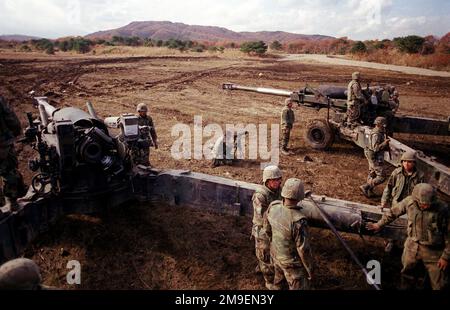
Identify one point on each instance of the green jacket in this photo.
(262, 198)
(287, 230)
(287, 117)
(400, 185)
(426, 227)
(9, 124)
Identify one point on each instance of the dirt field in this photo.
(155, 247)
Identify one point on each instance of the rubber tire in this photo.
(319, 135)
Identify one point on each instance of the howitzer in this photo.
(77, 156)
(172, 188)
(320, 134)
(182, 189)
(335, 98)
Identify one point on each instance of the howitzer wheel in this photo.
(39, 182)
(319, 135)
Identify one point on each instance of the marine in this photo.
(147, 137)
(290, 247)
(374, 152)
(264, 195)
(287, 123)
(402, 181)
(355, 100)
(428, 233)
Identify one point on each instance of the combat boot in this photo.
(366, 189)
(11, 204)
(4, 214)
(285, 151)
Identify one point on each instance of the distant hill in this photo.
(17, 38)
(167, 30)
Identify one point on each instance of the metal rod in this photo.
(339, 237)
(91, 110)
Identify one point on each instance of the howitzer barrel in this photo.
(261, 90)
(49, 109)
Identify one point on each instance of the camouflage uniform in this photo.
(374, 153)
(262, 198)
(355, 99)
(427, 240)
(287, 230)
(287, 123)
(9, 129)
(141, 153)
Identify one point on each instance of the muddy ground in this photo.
(157, 247)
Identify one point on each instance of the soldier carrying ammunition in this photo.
(262, 198)
(287, 230)
(428, 236)
(374, 152)
(355, 100)
(10, 129)
(147, 137)
(287, 123)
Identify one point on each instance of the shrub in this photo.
(256, 47)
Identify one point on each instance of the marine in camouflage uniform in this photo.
(428, 236)
(287, 229)
(10, 128)
(374, 152)
(402, 181)
(147, 137)
(287, 123)
(262, 198)
(355, 100)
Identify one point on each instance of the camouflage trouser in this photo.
(295, 276)
(13, 182)
(141, 156)
(377, 173)
(353, 113)
(286, 132)
(415, 256)
(262, 250)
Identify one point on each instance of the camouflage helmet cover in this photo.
(293, 189)
(424, 193)
(20, 274)
(380, 121)
(271, 172)
(356, 75)
(408, 156)
(142, 107)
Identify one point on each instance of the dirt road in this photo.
(155, 247)
(341, 61)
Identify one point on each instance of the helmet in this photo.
(409, 156)
(288, 101)
(293, 189)
(271, 172)
(142, 107)
(356, 75)
(380, 121)
(20, 274)
(424, 193)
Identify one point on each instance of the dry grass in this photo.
(435, 61)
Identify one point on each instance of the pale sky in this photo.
(359, 20)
